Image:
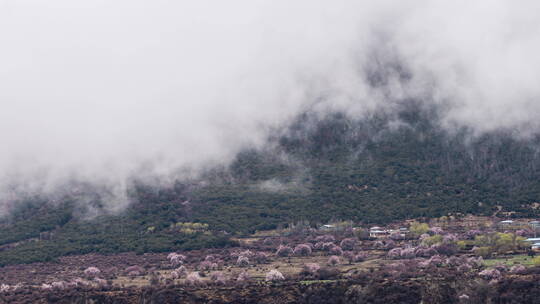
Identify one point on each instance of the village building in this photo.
(506, 223)
(377, 232)
(534, 224)
(328, 227)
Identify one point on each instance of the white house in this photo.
(328, 227)
(377, 232)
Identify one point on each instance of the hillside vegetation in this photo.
(386, 166)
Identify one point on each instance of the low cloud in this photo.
(102, 91)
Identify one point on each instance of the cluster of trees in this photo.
(110, 234)
(497, 242)
(190, 228)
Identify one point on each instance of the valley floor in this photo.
(302, 266)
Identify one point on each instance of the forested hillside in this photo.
(382, 168)
(385, 166)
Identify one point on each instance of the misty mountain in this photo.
(177, 125)
(385, 167)
(389, 165)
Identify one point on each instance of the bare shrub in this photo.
(449, 238)
(379, 245)
(46, 286)
(336, 250)
(396, 236)
(176, 259)
(446, 248)
(205, 265)
(175, 275)
(349, 255)
(389, 244)
(133, 274)
(425, 252)
(436, 230)
(181, 271)
(274, 275)
(59, 285)
(464, 268)
(243, 277)
(394, 253)
(194, 279)
(92, 272)
(100, 282)
(348, 243)
(261, 257)
(490, 274)
(134, 269)
(302, 250)
(333, 260)
(246, 253)
(310, 269)
(407, 253)
(79, 282)
(325, 238)
(476, 262)
(242, 261)
(518, 269)
(218, 277)
(327, 246)
(360, 257)
(284, 251)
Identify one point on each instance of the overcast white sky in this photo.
(95, 89)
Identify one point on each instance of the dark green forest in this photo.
(383, 167)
